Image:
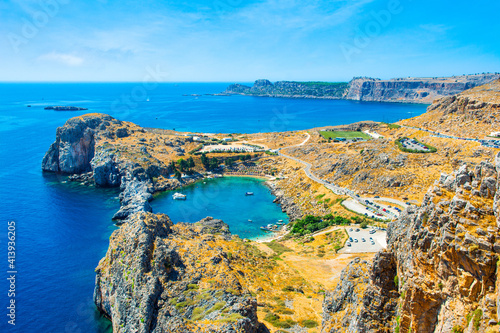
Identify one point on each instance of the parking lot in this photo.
(414, 145)
(357, 244)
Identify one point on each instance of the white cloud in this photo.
(62, 58)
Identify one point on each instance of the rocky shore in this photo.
(93, 149)
(286, 203)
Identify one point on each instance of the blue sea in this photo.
(62, 229)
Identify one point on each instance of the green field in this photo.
(344, 134)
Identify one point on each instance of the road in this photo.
(386, 215)
(484, 143)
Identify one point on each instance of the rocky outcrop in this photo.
(371, 306)
(286, 203)
(160, 277)
(474, 113)
(406, 90)
(83, 149)
(413, 90)
(75, 144)
(134, 198)
(439, 272)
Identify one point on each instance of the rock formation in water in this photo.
(439, 271)
(99, 149)
(407, 90)
(160, 277)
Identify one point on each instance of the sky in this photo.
(245, 40)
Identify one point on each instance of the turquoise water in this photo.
(225, 199)
(63, 229)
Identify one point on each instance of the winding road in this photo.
(337, 189)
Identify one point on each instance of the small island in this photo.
(65, 108)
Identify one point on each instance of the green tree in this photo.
(183, 165)
(214, 163)
(177, 175)
(229, 162)
(205, 161)
(191, 163)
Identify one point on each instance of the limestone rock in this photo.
(151, 280)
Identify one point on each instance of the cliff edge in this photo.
(160, 277)
(439, 271)
(403, 90)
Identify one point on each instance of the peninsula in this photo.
(403, 90)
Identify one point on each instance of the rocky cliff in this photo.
(414, 90)
(474, 113)
(405, 90)
(99, 149)
(160, 277)
(439, 272)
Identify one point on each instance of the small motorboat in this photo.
(249, 193)
(179, 196)
(250, 221)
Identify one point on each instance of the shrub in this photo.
(457, 329)
(233, 317)
(198, 313)
(309, 323)
(275, 320)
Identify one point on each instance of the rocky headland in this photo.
(99, 149)
(403, 90)
(161, 277)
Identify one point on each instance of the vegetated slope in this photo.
(160, 277)
(331, 90)
(473, 113)
(439, 272)
(379, 167)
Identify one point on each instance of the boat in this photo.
(264, 228)
(250, 221)
(249, 193)
(179, 196)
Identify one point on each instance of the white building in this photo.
(495, 134)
